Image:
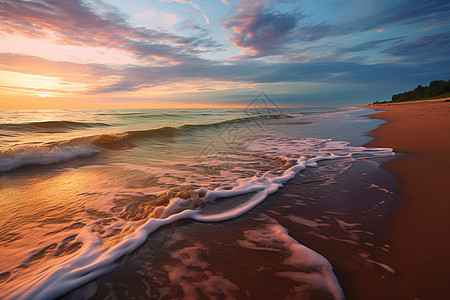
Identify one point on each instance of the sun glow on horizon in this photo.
(39, 85)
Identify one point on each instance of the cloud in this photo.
(370, 45)
(415, 11)
(158, 18)
(403, 13)
(82, 73)
(65, 77)
(73, 22)
(433, 47)
(191, 3)
(257, 27)
(259, 72)
(259, 30)
(105, 81)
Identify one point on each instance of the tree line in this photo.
(436, 89)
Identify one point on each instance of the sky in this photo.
(217, 53)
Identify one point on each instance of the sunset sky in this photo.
(198, 53)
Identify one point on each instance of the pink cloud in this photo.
(259, 31)
(73, 23)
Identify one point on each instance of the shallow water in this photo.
(81, 189)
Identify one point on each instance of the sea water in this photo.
(80, 189)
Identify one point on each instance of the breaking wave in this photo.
(40, 155)
(56, 152)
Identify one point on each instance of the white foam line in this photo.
(326, 267)
(238, 211)
(314, 272)
(89, 264)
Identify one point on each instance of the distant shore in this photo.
(420, 228)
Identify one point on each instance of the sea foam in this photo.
(318, 278)
(41, 155)
(92, 260)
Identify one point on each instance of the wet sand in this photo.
(418, 233)
(348, 212)
(340, 215)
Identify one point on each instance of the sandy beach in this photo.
(419, 229)
(335, 229)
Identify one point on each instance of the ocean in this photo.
(186, 203)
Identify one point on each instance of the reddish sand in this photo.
(419, 232)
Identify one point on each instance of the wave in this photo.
(122, 114)
(49, 125)
(154, 116)
(141, 115)
(55, 152)
(292, 115)
(125, 139)
(257, 118)
(42, 155)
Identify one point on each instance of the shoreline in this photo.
(419, 228)
(338, 210)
